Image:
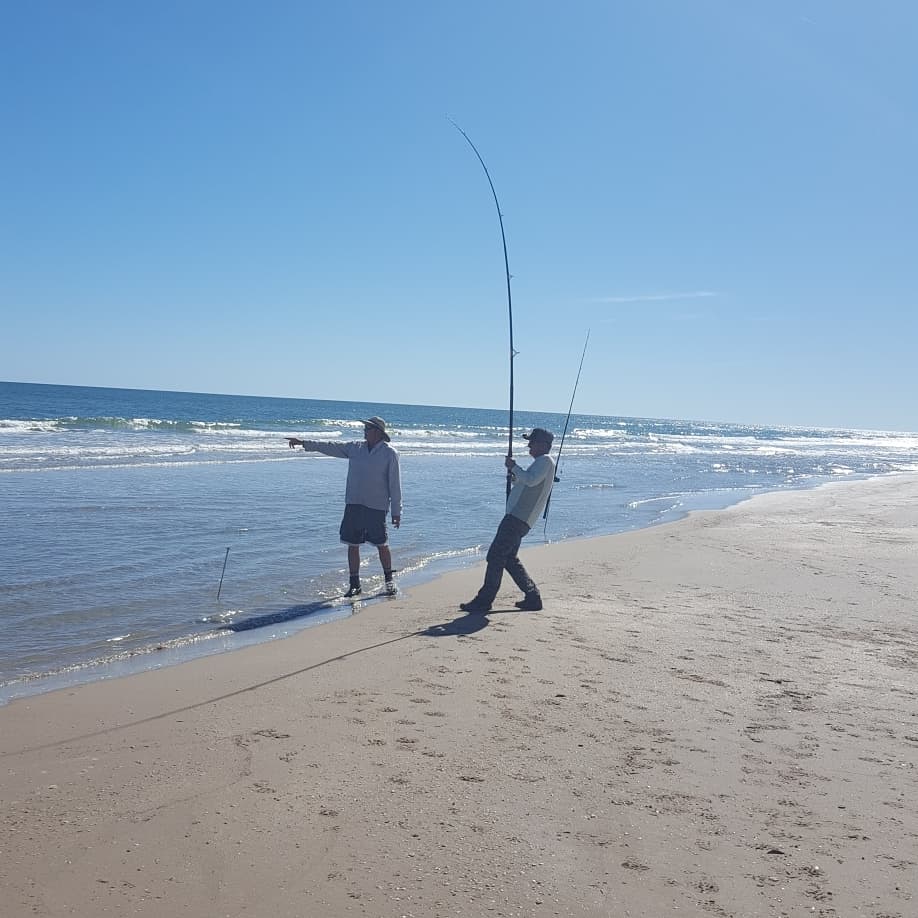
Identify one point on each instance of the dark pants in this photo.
(502, 556)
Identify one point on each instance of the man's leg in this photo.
(532, 599)
(505, 545)
(520, 575)
(353, 568)
(353, 559)
(378, 535)
(385, 559)
(515, 530)
(352, 533)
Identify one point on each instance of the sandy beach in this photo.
(714, 717)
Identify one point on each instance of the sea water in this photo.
(120, 508)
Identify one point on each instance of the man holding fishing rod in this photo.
(373, 487)
(527, 499)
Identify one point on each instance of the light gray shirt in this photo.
(373, 475)
(531, 488)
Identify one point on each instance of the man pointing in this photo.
(373, 488)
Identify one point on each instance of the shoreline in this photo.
(327, 612)
(718, 716)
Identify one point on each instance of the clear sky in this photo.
(267, 198)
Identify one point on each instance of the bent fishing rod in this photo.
(564, 432)
(503, 238)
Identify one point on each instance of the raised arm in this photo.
(537, 472)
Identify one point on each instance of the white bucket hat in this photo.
(379, 424)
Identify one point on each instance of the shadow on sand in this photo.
(303, 610)
(464, 624)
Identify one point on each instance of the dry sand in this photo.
(714, 717)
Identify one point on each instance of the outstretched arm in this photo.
(339, 450)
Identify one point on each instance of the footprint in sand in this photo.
(270, 733)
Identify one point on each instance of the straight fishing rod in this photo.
(503, 238)
(225, 558)
(564, 432)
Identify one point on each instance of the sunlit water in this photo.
(118, 507)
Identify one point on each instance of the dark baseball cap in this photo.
(540, 433)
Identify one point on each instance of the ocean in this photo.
(125, 512)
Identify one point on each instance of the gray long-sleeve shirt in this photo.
(373, 475)
(531, 488)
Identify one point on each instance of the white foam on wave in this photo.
(338, 422)
(672, 499)
(597, 433)
(71, 672)
(12, 426)
(149, 441)
(445, 434)
(220, 618)
(178, 463)
(326, 436)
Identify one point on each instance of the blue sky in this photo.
(268, 198)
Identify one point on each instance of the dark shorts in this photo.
(363, 524)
